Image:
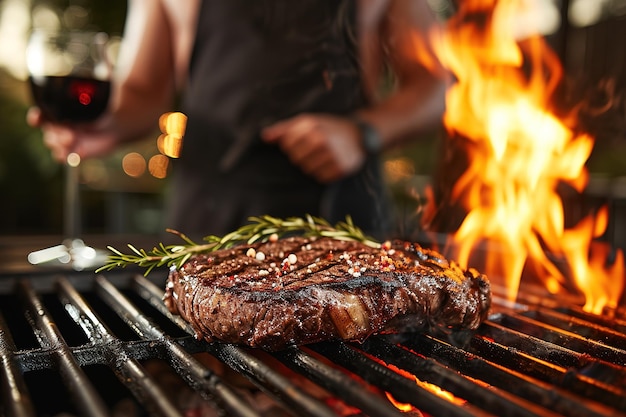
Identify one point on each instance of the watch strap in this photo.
(370, 139)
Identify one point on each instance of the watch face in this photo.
(369, 137)
(372, 144)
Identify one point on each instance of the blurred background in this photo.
(117, 195)
(588, 36)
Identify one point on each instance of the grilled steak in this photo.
(302, 290)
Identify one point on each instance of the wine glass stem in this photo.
(72, 215)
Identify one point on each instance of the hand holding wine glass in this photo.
(69, 75)
(85, 139)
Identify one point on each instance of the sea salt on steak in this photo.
(301, 290)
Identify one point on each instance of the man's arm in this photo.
(143, 87)
(399, 35)
(329, 147)
(145, 82)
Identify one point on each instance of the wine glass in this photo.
(70, 80)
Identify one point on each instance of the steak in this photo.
(299, 290)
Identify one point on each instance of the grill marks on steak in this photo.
(304, 290)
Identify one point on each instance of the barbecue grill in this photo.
(96, 345)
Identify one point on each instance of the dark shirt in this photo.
(254, 63)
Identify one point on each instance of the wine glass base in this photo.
(73, 253)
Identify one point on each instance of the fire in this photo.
(435, 389)
(404, 407)
(518, 151)
(447, 395)
(587, 260)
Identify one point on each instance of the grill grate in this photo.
(92, 341)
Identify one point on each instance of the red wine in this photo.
(70, 99)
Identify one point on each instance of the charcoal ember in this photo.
(300, 290)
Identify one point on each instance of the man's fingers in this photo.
(323, 146)
(286, 130)
(274, 132)
(60, 140)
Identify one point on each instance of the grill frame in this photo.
(557, 379)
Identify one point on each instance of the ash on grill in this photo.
(106, 345)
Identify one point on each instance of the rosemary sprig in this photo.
(260, 229)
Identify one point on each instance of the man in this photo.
(283, 103)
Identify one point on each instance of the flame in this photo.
(587, 259)
(404, 407)
(435, 389)
(519, 150)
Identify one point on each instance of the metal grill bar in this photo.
(127, 368)
(553, 353)
(480, 394)
(567, 305)
(270, 381)
(567, 378)
(604, 335)
(349, 389)
(614, 323)
(563, 338)
(402, 388)
(521, 385)
(263, 376)
(506, 368)
(207, 383)
(14, 394)
(85, 396)
(427, 370)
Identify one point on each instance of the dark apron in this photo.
(254, 63)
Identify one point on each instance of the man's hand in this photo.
(325, 147)
(85, 140)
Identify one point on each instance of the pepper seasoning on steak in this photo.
(300, 290)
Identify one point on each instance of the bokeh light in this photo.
(158, 165)
(134, 164)
(73, 159)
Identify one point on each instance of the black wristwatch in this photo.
(370, 139)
